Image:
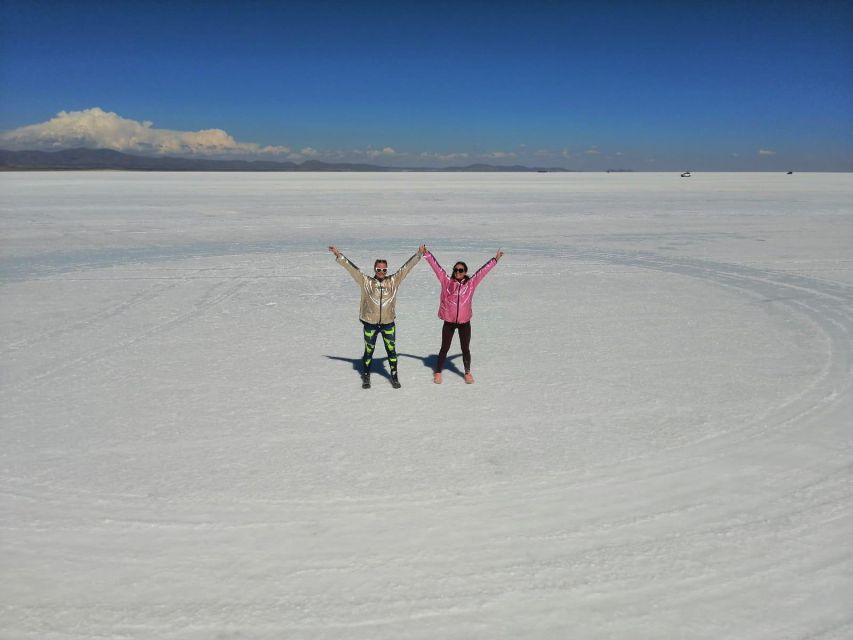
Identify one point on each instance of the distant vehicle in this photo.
(790, 173)
(686, 174)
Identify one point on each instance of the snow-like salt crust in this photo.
(659, 443)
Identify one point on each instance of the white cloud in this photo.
(336, 154)
(96, 128)
(499, 155)
(443, 157)
(302, 154)
(766, 152)
(592, 152)
(566, 153)
(378, 153)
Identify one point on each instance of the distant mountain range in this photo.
(107, 159)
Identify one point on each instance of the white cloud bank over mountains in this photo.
(96, 128)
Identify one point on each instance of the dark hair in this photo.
(377, 261)
(458, 262)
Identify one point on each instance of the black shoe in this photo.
(395, 382)
(365, 380)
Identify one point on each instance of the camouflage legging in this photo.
(389, 337)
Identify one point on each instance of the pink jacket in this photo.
(456, 297)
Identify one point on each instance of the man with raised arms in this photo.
(377, 308)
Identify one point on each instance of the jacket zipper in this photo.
(381, 294)
(458, 293)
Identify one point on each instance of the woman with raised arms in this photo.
(457, 294)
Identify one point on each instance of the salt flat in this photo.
(658, 444)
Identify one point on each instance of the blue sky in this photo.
(584, 85)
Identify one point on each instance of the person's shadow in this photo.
(378, 366)
(431, 361)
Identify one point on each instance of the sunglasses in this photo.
(459, 270)
(380, 270)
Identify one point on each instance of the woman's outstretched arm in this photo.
(439, 272)
(482, 271)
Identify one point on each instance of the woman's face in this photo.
(459, 271)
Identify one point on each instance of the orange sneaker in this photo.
(436, 377)
(469, 379)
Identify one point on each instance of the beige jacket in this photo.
(378, 299)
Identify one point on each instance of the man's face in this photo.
(381, 270)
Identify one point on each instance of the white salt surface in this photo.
(659, 443)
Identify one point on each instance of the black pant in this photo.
(464, 340)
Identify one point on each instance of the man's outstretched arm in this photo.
(403, 271)
(342, 260)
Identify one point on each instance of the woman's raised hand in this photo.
(334, 250)
(499, 255)
(422, 249)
